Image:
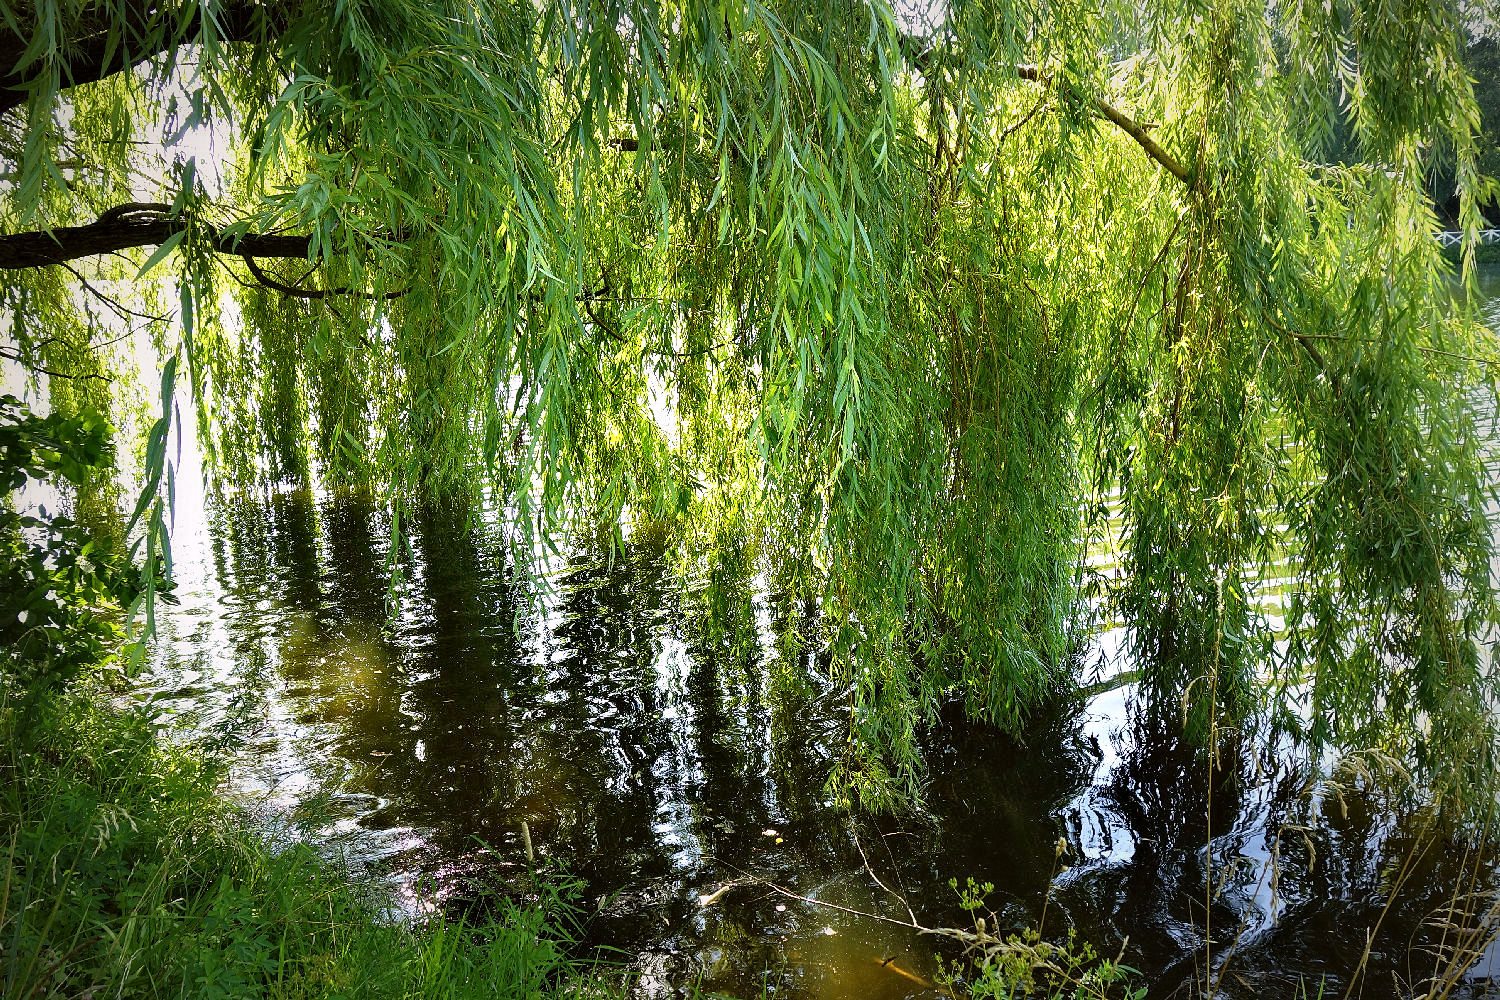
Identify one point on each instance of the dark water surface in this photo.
(659, 758)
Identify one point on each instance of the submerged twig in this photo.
(854, 834)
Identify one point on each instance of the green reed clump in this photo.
(127, 875)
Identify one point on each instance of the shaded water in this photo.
(658, 758)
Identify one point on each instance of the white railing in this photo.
(1453, 237)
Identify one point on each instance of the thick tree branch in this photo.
(132, 225)
(114, 39)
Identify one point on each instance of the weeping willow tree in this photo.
(908, 308)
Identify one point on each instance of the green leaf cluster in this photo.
(62, 588)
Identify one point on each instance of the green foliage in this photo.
(125, 873)
(61, 587)
(892, 306)
(1482, 59)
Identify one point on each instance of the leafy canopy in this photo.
(911, 308)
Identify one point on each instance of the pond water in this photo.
(660, 761)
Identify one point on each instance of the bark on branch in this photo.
(114, 38)
(133, 225)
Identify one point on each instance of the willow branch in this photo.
(114, 38)
(44, 370)
(1131, 127)
(1304, 340)
(1020, 123)
(313, 293)
(1436, 351)
(114, 305)
(133, 225)
(923, 56)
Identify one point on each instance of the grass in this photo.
(128, 875)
